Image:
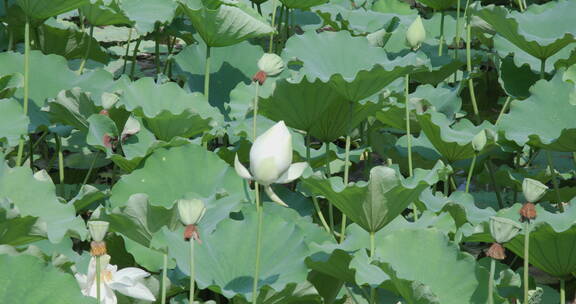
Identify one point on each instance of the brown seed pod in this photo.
(528, 212)
(496, 251)
(97, 248)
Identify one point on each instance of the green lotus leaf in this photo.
(27, 279)
(441, 67)
(315, 107)
(383, 198)
(169, 111)
(102, 133)
(396, 7)
(16, 230)
(302, 4)
(439, 4)
(452, 140)
(41, 9)
(545, 119)
(13, 122)
(332, 57)
(525, 29)
(72, 108)
(87, 195)
(449, 274)
(226, 23)
(34, 195)
(100, 14)
(9, 83)
(70, 43)
(552, 240)
(146, 13)
(169, 173)
(304, 292)
(225, 263)
(516, 80)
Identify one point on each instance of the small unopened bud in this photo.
(97, 248)
(533, 190)
(496, 251)
(98, 230)
(503, 229)
(271, 64)
(528, 212)
(479, 141)
(191, 210)
(416, 34)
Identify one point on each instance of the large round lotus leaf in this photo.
(13, 122)
(99, 14)
(146, 13)
(225, 259)
(453, 276)
(334, 57)
(516, 80)
(315, 107)
(168, 110)
(25, 279)
(169, 173)
(546, 118)
(439, 4)
(383, 198)
(35, 195)
(453, 141)
(302, 4)
(526, 29)
(70, 43)
(552, 241)
(224, 24)
(41, 9)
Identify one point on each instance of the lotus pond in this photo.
(287, 151)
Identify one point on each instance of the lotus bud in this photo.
(503, 229)
(496, 251)
(269, 65)
(533, 190)
(191, 210)
(98, 230)
(479, 141)
(416, 34)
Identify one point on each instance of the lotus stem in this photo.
(526, 258)
(330, 207)
(157, 53)
(279, 26)
(98, 279)
(207, 74)
(87, 53)
(127, 51)
(271, 46)
(192, 272)
(407, 111)
(504, 107)
(287, 21)
(469, 68)
(542, 68)
(470, 172)
(60, 158)
(372, 252)
(314, 199)
(457, 42)
(255, 108)
(490, 168)
(90, 169)
(491, 281)
(165, 277)
(258, 247)
(554, 179)
(562, 291)
(134, 59)
(26, 85)
(441, 44)
(346, 178)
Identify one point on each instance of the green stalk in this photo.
(127, 51)
(542, 68)
(504, 107)
(165, 277)
(526, 258)
(314, 199)
(469, 68)
(492, 174)
(346, 178)
(271, 46)
(330, 206)
(192, 272)
(259, 211)
(457, 47)
(87, 53)
(60, 158)
(491, 281)
(255, 106)
(90, 169)
(372, 251)
(157, 52)
(408, 133)
(554, 179)
(207, 74)
(562, 291)
(134, 59)
(26, 85)
(279, 27)
(441, 44)
(98, 278)
(470, 172)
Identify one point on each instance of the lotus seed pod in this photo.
(533, 190)
(416, 34)
(503, 229)
(496, 251)
(528, 212)
(479, 141)
(98, 230)
(191, 210)
(271, 64)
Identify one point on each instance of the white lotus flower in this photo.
(271, 160)
(416, 34)
(271, 64)
(126, 281)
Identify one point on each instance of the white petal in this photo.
(129, 276)
(274, 197)
(294, 171)
(82, 280)
(106, 293)
(138, 291)
(266, 172)
(276, 145)
(240, 169)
